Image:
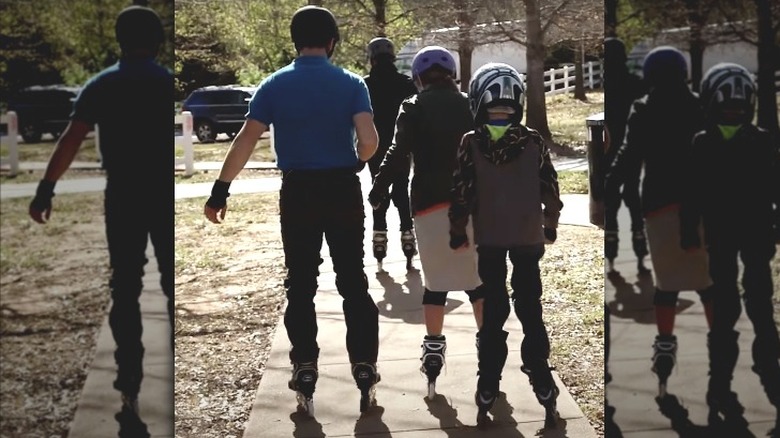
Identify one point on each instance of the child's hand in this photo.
(459, 241)
(550, 236)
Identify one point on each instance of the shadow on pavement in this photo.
(131, 425)
(611, 429)
(306, 426)
(398, 304)
(370, 423)
(635, 300)
(671, 408)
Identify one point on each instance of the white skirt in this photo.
(675, 269)
(444, 269)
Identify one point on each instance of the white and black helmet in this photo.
(380, 46)
(730, 84)
(496, 84)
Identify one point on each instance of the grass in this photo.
(566, 118)
(573, 181)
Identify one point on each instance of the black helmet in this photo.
(138, 27)
(313, 26)
(728, 87)
(380, 46)
(614, 50)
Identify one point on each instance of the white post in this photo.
(189, 153)
(566, 78)
(552, 80)
(590, 74)
(12, 141)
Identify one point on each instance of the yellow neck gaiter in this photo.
(497, 132)
(728, 131)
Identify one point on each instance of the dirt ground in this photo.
(53, 302)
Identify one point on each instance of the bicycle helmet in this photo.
(728, 94)
(313, 26)
(380, 46)
(431, 56)
(496, 84)
(665, 65)
(138, 27)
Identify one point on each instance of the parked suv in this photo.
(43, 109)
(218, 109)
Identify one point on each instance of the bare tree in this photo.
(768, 53)
(535, 54)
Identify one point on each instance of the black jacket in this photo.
(659, 133)
(387, 88)
(733, 187)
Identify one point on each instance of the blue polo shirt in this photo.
(132, 104)
(311, 103)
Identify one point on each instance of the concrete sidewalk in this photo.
(100, 402)
(634, 387)
(402, 410)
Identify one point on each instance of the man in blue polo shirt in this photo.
(317, 110)
(131, 102)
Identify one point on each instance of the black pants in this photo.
(627, 193)
(130, 222)
(526, 297)
(758, 290)
(314, 204)
(399, 194)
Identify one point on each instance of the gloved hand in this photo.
(219, 195)
(40, 207)
(458, 241)
(217, 202)
(550, 235)
(376, 197)
(690, 241)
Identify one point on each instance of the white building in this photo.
(721, 47)
(510, 53)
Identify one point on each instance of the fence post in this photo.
(552, 79)
(566, 79)
(97, 143)
(12, 141)
(189, 153)
(590, 74)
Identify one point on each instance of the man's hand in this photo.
(550, 235)
(459, 241)
(376, 197)
(40, 207)
(216, 206)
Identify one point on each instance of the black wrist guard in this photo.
(219, 195)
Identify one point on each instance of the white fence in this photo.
(561, 80)
(11, 141)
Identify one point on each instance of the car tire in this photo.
(31, 133)
(205, 131)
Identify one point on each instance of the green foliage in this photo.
(65, 41)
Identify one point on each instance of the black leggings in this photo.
(399, 194)
(526, 298)
(314, 204)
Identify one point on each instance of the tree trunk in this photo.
(579, 75)
(696, 21)
(465, 50)
(380, 17)
(537, 111)
(465, 44)
(767, 103)
(610, 18)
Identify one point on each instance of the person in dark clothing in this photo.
(621, 88)
(660, 128)
(136, 81)
(733, 186)
(388, 88)
(503, 177)
(429, 127)
(318, 109)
